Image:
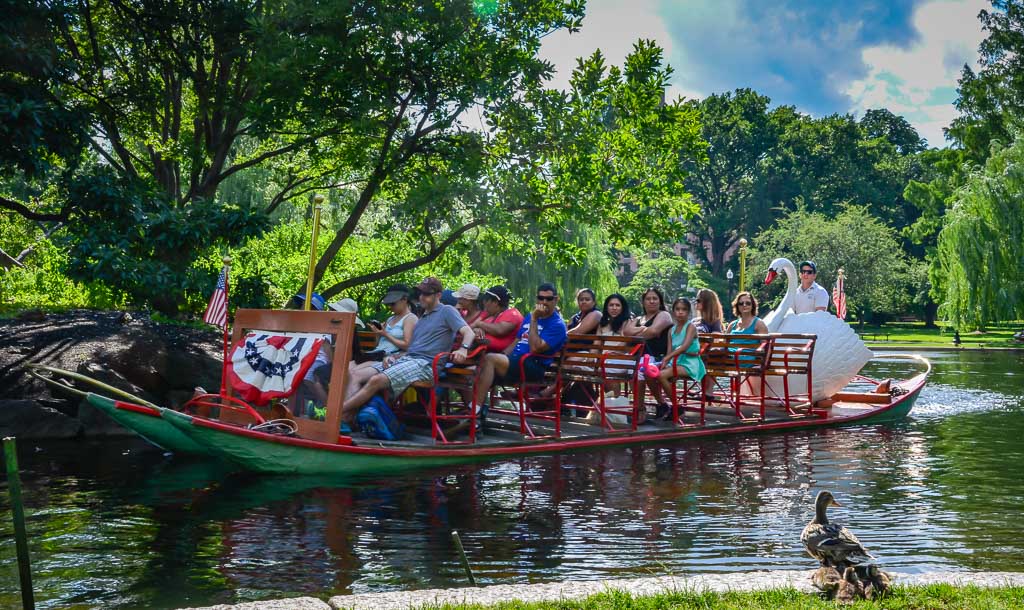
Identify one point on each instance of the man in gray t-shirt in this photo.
(434, 333)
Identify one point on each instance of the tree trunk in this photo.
(931, 310)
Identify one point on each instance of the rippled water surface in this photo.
(118, 525)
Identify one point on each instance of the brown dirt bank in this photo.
(159, 362)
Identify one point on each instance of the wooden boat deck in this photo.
(502, 429)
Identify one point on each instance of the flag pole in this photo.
(224, 362)
(318, 201)
(743, 264)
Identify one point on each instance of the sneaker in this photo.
(481, 418)
(345, 429)
(662, 410)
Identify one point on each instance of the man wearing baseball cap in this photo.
(810, 296)
(433, 334)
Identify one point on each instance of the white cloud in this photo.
(919, 82)
(612, 26)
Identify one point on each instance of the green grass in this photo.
(915, 334)
(928, 597)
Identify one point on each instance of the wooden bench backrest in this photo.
(792, 352)
(367, 340)
(610, 356)
(723, 353)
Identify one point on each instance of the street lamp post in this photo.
(728, 277)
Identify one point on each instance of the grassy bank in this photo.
(916, 335)
(900, 598)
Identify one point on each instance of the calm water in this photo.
(118, 525)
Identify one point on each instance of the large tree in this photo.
(877, 270)
(991, 101)
(981, 246)
(432, 118)
(762, 162)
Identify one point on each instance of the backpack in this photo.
(378, 421)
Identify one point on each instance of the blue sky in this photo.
(821, 56)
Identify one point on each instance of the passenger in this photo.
(652, 325)
(810, 296)
(350, 306)
(433, 334)
(744, 307)
(499, 325)
(588, 318)
(614, 316)
(395, 333)
(468, 302)
(542, 332)
(710, 310)
(683, 352)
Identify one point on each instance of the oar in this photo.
(95, 382)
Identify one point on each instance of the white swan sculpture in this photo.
(839, 354)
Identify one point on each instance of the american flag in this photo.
(217, 310)
(839, 298)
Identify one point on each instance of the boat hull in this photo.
(268, 453)
(147, 422)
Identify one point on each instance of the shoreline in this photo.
(576, 590)
(904, 347)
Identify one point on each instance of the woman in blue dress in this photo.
(682, 359)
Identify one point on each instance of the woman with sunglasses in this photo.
(744, 307)
(710, 310)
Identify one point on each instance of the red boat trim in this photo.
(912, 385)
(131, 406)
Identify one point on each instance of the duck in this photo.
(830, 543)
(839, 354)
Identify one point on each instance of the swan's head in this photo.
(778, 266)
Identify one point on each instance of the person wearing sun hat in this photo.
(810, 296)
(347, 306)
(432, 335)
(468, 302)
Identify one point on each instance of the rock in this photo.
(27, 419)
(31, 315)
(97, 423)
(112, 378)
(141, 362)
(293, 603)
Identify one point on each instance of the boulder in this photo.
(97, 423)
(27, 419)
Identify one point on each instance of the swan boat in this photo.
(298, 441)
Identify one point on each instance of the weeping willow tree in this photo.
(517, 258)
(981, 246)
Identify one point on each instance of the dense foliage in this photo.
(981, 247)
(878, 273)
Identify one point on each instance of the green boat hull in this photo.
(278, 458)
(269, 454)
(148, 423)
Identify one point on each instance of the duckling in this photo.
(877, 581)
(826, 578)
(850, 588)
(831, 543)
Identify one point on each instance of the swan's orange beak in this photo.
(770, 277)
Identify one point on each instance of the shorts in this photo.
(405, 372)
(532, 367)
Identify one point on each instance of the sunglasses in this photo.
(807, 271)
(746, 303)
(541, 297)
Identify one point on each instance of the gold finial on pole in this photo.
(743, 264)
(318, 201)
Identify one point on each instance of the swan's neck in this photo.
(788, 299)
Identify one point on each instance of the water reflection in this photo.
(938, 491)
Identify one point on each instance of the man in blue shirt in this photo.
(542, 332)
